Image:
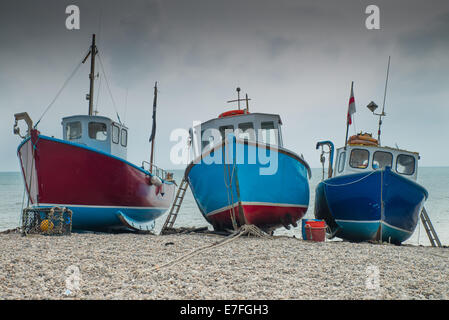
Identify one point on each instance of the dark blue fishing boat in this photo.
(371, 193)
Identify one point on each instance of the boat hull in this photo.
(103, 191)
(370, 206)
(238, 188)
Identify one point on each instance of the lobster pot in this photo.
(47, 221)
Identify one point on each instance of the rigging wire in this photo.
(98, 94)
(109, 89)
(60, 91)
(126, 106)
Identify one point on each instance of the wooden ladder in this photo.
(431, 233)
(173, 214)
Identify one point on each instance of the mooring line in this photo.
(244, 230)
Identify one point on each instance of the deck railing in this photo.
(158, 172)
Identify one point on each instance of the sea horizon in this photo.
(432, 178)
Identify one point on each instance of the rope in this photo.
(109, 89)
(247, 229)
(349, 183)
(59, 92)
(323, 159)
(229, 188)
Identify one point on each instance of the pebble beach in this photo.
(131, 266)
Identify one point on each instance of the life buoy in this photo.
(363, 139)
(232, 113)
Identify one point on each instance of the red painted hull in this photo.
(67, 174)
(267, 217)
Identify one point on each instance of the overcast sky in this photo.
(295, 58)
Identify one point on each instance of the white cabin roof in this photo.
(262, 127)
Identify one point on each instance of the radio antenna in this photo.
(383, 107)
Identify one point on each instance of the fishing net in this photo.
(47, 221)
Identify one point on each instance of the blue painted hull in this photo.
(112, 218)
(266, 200)
(367, 206)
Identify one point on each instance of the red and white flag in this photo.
(351, 107)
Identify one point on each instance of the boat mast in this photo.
(92, 52)
(153, 132)
(238, 100)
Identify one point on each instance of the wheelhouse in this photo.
(97, 132)
(359, 158)
(255, 127)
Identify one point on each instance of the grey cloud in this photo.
(295, 58)
(422, 42)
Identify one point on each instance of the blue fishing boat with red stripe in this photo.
(87, 171)
(242, 174)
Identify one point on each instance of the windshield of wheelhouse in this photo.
(73, 130)
(359, 159)
(269, 133)
(405, 164)
(382, 159)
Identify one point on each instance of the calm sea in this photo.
(435, 180)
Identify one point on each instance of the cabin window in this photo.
(405, 164)
(115, 133)
(246, 131)
(98, 131)
(73, 130)
(359, 158)
(382, 159)
(224, 130)
(268, 133)
(124, 141)
(341, 162)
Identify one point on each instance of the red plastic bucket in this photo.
(315, 230)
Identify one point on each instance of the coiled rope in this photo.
(227, 172)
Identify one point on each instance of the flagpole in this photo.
(347, 117)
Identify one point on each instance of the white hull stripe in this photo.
(397, 228)
(267, 204)
(358, 221)
(92, 206)
(374, 221)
